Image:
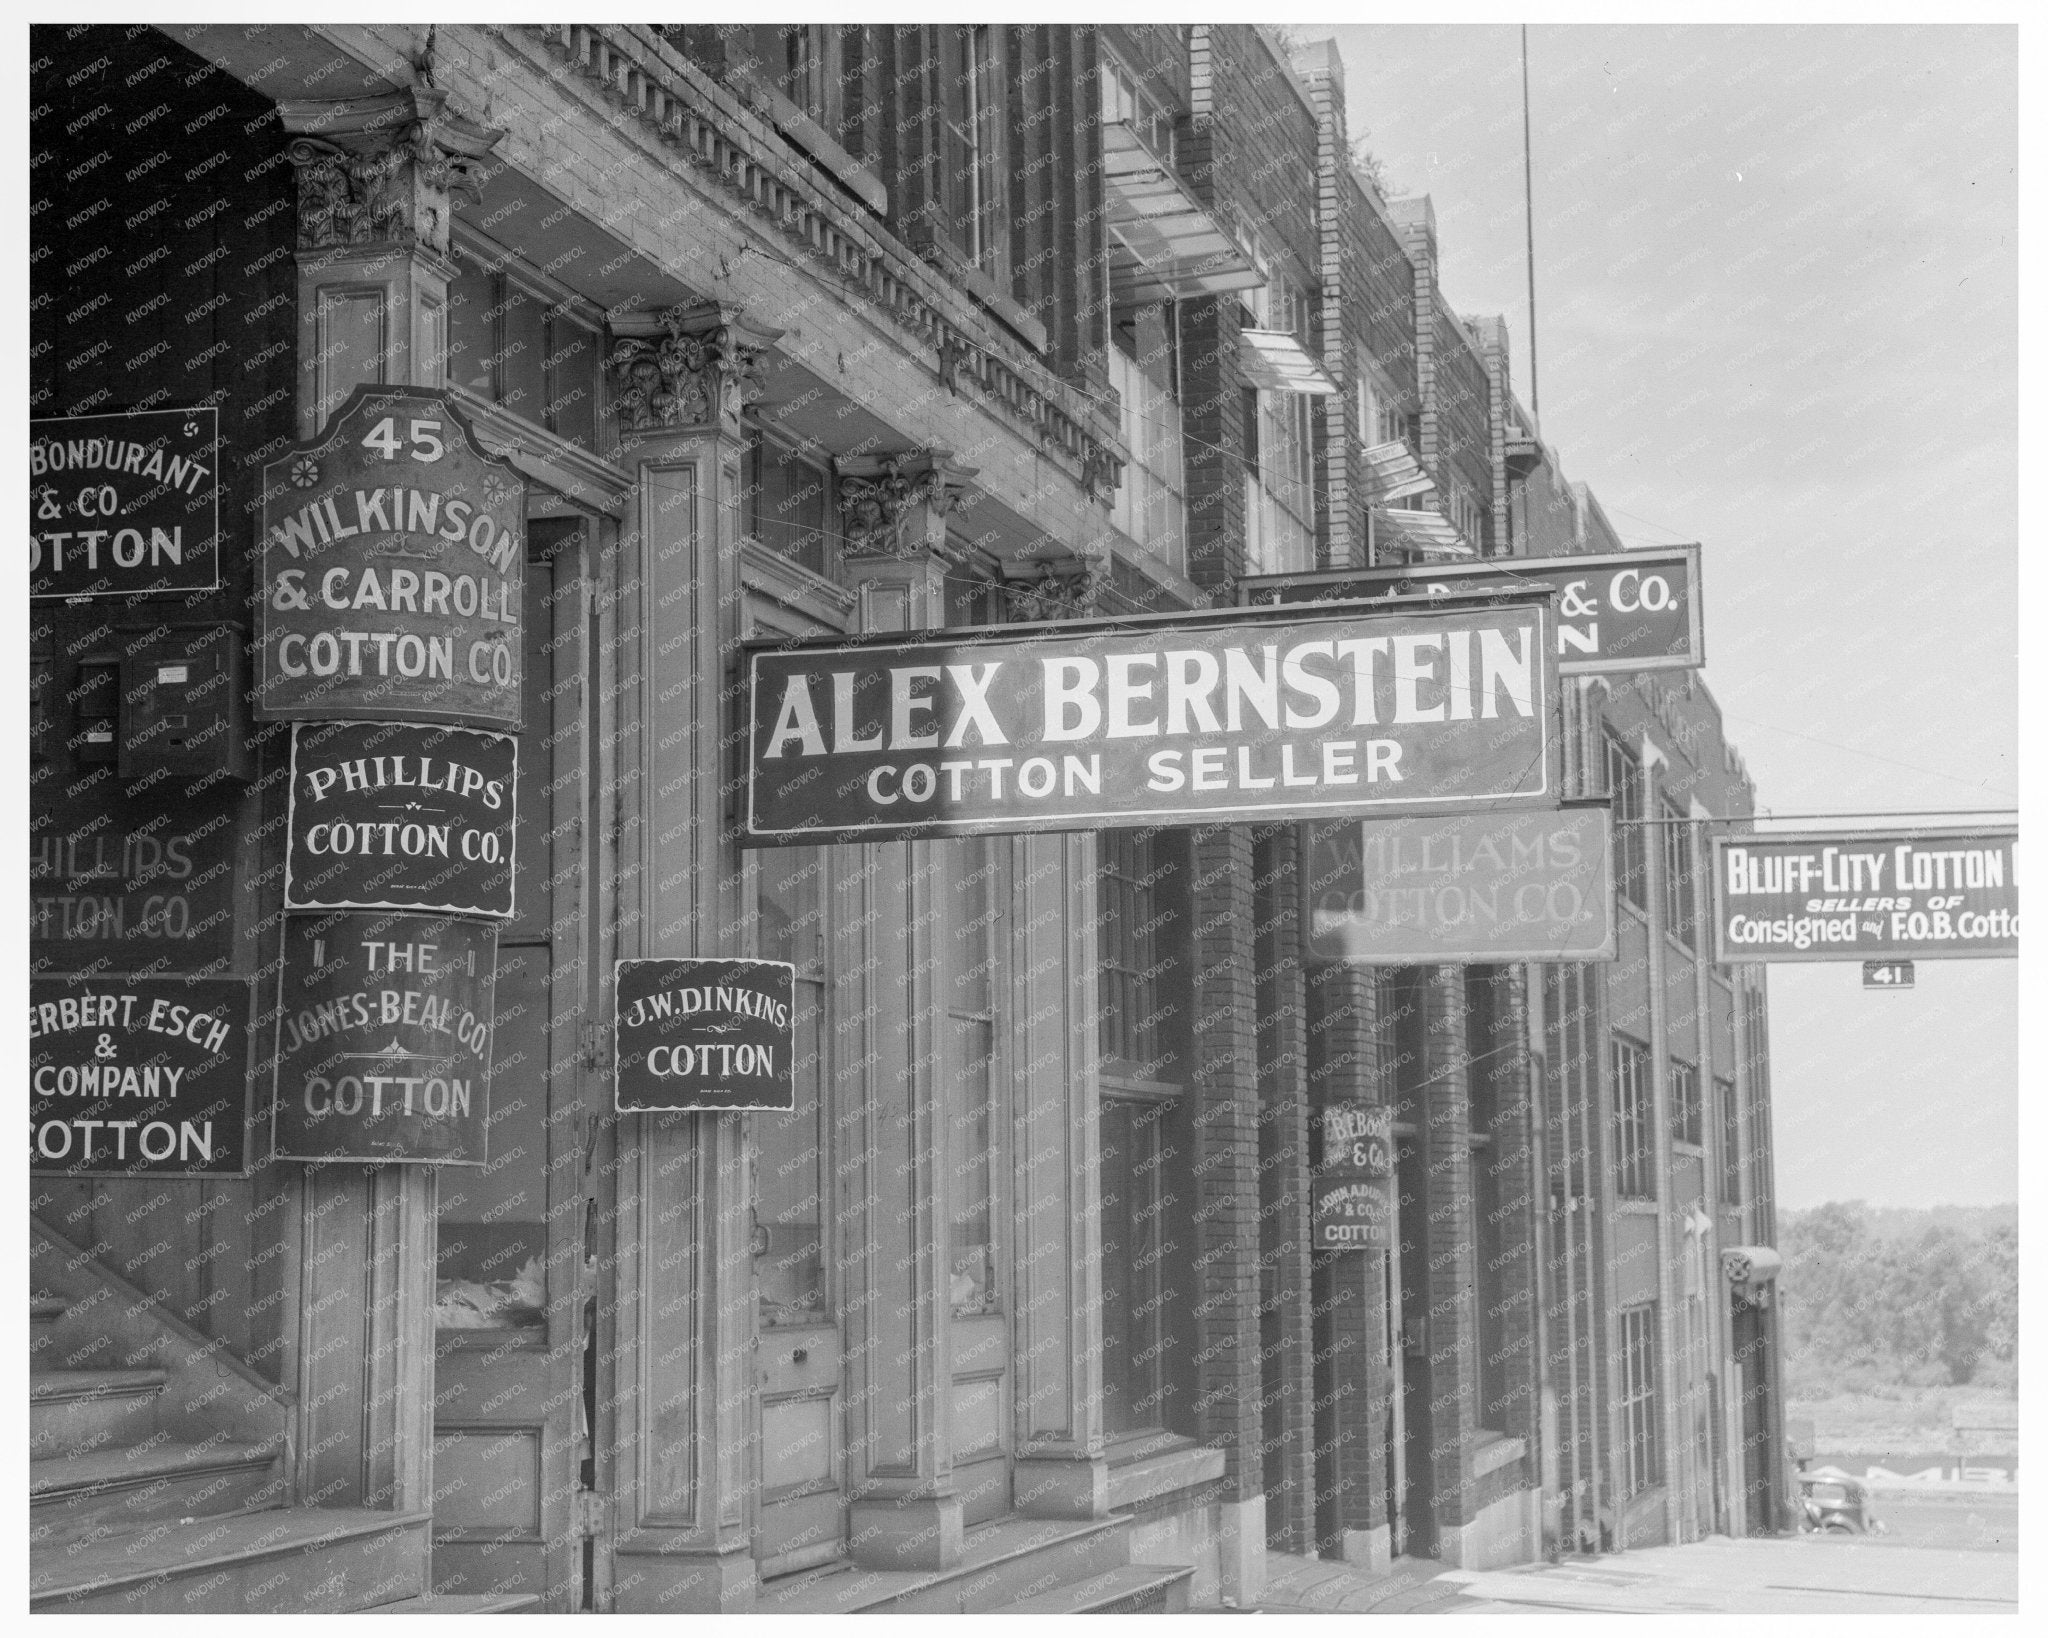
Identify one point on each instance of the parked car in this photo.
(1832, 1502)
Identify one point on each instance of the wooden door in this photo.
(511, 1436)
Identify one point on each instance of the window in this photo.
(1731, 1142)
(1151, 505)
(1624, 785)
(1381, 420)
(1134, 919)
(523, 352)
(1468, 517)
(1126, 102)
(1642, 1449)
(788, 501)
(967, 981)
(1133, 1264)
(973, 178)
(1685, 1102)
(1635, 1151)
(789, 1164)
(1679, 853)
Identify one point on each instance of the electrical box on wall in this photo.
(183, 692)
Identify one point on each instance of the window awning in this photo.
(1274, 360)
(1393, 473)
(1407, 531)
(1163, 244)
(1750, 1265)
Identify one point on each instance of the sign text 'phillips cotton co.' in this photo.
(1182, 719)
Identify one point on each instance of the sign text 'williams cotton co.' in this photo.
(1466, 887)
(139, 1076)
(384, 1024)
(123, 505)
(1616, 611)
(389, 816)
(1181, 719)
(707, 1032)
(394, 562)
(1867, 895)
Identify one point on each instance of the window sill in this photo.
(812, 137)
(980, 285)
(1142, 1479)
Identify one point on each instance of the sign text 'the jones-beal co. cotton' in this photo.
(394, 560)
(1162, 720)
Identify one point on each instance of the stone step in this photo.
(284, 1561)
(72, 1413)
(458, 1604)
(118, 1491)
(1132, 1589)
(44, 1311)
(1001, 1562)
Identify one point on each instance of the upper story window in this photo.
(1679, 856)
(788, 501)
(1151, 503)
(1381, 419)
(1635, 1142)
(528, 353)
(1126, 102)
(1467, 515)
(1731, 1142)
(1686, 1115)
(972, 160)
(1625, 788)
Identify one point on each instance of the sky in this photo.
(1777, 313)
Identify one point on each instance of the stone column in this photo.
(685, 1320)
(1061, 1470)
(898, 1309)
(1448, 1333)
(378, 179)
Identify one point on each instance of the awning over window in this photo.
(1399, 530)
(1162, 244)
(1274, 360)
(1393, 473)
(1750, 1265)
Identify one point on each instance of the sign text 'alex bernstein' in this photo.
(1154, 720)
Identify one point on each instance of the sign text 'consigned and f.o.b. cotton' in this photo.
(1184, 719)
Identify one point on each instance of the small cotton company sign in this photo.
(124, 505)
(702, 1032)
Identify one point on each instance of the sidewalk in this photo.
(1296, 1585)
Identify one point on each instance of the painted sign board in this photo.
(1887, 975)
(124, 505)
(1616, 611)
(1463, 887)
(1899, 895)
(392, 816)
(393, 562)
(384, 1024)
(132, 1077)
(1220, 717)
(1350, 1194)
(705, 1032)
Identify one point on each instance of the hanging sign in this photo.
(1350, 1194)
(701, 1032)
(136, 1077)
(1616, 611)
(1867, 895)
(1217, 717)
(124, 505)
(1468, 887)
(395, 817)
(384, 1038)
(394, 562)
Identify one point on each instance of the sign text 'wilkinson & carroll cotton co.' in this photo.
(1867, 895)
(705, 1032)
(139, 1076)
(1180, 719)
(1616, 611)
(394, 561)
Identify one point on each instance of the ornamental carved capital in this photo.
(1069, 589)
(893, 505)
(387, 170)
(686, 367)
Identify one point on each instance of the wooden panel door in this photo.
(511, 1438)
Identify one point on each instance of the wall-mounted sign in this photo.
(139, 1076)
(1867, 895)
(124, 505)
(1183, 719)
(1616, 611)
(704, 1032)
(384, 1038)
(390, 816)
(394, 557)
(1887, 975)
(1466, 887)
(1351, 1204)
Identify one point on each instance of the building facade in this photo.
(784, 332)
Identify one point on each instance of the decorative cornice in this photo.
(685, 367)
(1067, 590)
(879, 497)
(383, 170)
